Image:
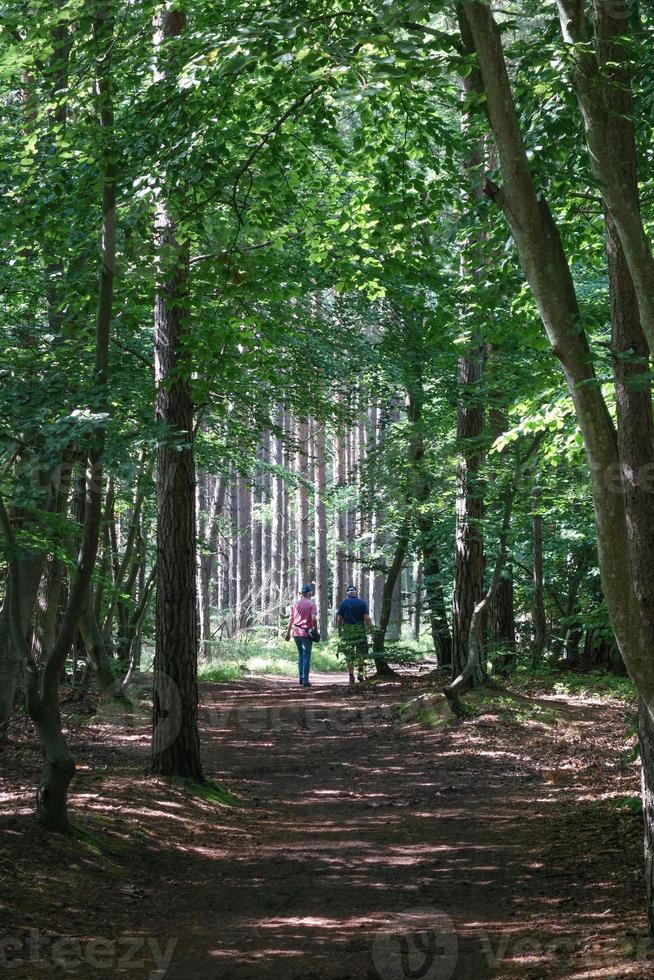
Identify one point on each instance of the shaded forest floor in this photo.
(367, 842)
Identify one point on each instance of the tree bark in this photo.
(646, 738)
(278, 543)
(244, 532)
(474, 672)
(469, 547)
(539, 622)
(175, 741)
(600, 93)
(322, 583)
(302, 469)
(548, 274)
(267, 604)
(503, 624)
(339, 479)
(417, 600)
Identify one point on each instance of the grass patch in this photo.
(630, 804)
(251, 654)
(425, 710)
(433, 711)
(595, 684)
(209, 791)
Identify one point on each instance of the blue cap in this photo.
(306, 589)
(352, 589)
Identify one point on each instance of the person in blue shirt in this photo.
(353, 622)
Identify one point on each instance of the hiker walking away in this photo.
(304, 618)
(353, 620)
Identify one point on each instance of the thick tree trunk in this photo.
(176, 741)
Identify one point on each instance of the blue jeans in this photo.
(304, 644)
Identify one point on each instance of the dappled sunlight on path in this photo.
(372, 838)
(375, 840)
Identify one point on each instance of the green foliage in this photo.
(245, 655)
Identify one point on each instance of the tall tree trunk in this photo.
(632, 312)
(363, 533)
(302, 469)
(539, 621)
(375, 582)
(322, 583)
(175, 741)
(646, 737)
(503, 623)
(351, 570)
(203, 583)
(207, 562)
(278, 543)
(434, 597)
(417, 600)
(267, 602)
(290, 525)
(257, 538)
(285, 553)
(387, 598)
(394, 628)
(339, 478)
(627, 585)
(546, 269)
(233, 556)
(244, 532)
(474, 672)
(469, 547)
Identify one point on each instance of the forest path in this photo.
(495, 847)
(380, 850)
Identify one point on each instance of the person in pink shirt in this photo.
(304, 617)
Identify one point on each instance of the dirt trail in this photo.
(375, 838)
(369, 848)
